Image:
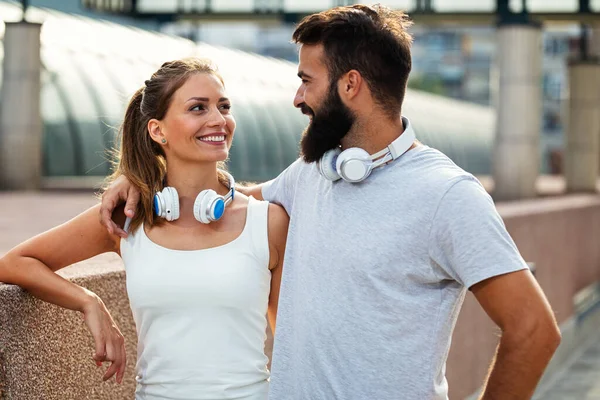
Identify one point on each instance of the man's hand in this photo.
(121, 190)
(250, 189)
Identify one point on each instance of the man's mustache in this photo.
(306, 110)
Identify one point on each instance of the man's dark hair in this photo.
(370, 39)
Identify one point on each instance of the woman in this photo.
(203, 262)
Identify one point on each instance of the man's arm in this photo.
(530, 335)
(119, 191)
(470, 244)
(251, 189)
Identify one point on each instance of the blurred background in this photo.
(94, 54)
(509, 89)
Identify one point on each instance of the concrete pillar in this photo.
(582, 156)
(515, 162)
(20, 119)
(594, 42)
(594, 49)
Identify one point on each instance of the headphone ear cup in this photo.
(158, 204)
(202, 205)
(353, 165)
(166, 204)
(327, 164)
(172, 203)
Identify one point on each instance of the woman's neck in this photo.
(191, 180)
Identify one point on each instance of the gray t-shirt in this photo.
(374, 276)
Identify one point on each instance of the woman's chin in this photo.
(216, 156)
(202, 156)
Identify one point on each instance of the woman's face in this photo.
(198, 125)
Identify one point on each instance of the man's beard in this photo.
(328, 126)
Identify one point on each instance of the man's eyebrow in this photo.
(302, 74)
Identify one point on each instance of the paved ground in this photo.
(581, 381)
(25, 214)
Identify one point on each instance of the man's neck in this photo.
(373, 133)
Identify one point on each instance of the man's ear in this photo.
(156, 132)
(350, 84)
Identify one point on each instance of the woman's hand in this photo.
(109, 342)
(121, 190)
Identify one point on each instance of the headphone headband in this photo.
(398, 147)
(228, 198)
(355, 164)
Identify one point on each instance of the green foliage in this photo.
(427, 83)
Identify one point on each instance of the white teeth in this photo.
(213, 138)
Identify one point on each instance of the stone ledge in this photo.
(46, 351)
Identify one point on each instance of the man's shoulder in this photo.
(433, 170)
(299, 166)
(287, 185)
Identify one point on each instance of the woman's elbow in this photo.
(9, 270)
(5, 269)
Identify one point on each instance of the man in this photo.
(377, 266)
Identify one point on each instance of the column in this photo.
(594, 46)
(515, 163)
(582, 150)
(20, 119)
(594, 42)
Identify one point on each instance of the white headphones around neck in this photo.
(208, 206)
(355, 164)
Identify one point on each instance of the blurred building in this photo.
(453, 61)
(90, 68)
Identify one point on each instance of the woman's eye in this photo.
(198, 107)
(226, 107)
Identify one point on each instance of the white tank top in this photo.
(200, 315)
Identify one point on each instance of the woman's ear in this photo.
(155, 131)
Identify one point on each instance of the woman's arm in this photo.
(31, 265)
(278, 228)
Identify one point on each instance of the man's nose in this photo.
(299, 98)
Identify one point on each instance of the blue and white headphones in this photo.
(355, 164)
(208, 206)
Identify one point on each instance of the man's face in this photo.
(330, 118)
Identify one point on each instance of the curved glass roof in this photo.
(92, 67)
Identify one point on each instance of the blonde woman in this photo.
(203, 262)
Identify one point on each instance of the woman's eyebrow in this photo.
(197, 99)
(205, 99)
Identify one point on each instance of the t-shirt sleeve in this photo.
(468, 239)
(282, 189)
